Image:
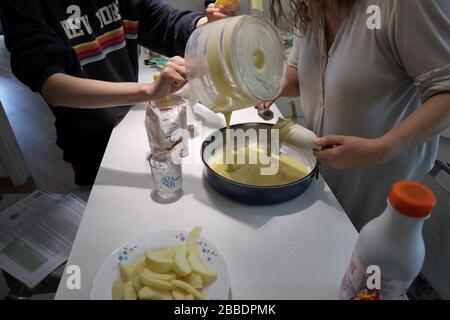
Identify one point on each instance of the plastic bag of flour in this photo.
(166, 124)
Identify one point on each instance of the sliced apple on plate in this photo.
(147, 293)
(158, 263)
(155, 283)
(181, 265)
(187, 287)
(128, 291)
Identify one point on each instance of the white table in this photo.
(295, 250)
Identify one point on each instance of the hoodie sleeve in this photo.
(165, 29)
(37, 52)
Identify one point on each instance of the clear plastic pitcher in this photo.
(235, 63)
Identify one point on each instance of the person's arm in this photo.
(289, 89)
(428, 121)
(166, 29)
(291, 84)
(418, 33)
(67, 91)
(344, 152)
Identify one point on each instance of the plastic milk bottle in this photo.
(390, 250)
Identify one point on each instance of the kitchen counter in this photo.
(295, 250)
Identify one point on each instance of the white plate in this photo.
(135, 250)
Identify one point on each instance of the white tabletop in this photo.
(295, 250)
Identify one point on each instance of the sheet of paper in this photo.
(37, 233)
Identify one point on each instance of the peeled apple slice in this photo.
(117, 290)
(155, 283)
(187, 287)
(178, 294)
(170, 253)
(189, 297)
(192, 242)
(195, 280)
(158, 263)
(147, 293)
(160, 276)
(135, 278)
(208, 275)
(126, 269)
(181, 265)
(128, 292)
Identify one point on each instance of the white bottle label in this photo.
(354, 285)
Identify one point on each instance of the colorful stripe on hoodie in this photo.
(108, 42)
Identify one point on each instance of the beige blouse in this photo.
(368, 83)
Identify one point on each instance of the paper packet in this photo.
(166, 124)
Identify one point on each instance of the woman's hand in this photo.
(171, 79)
(214, 14)
(342, 152)
(264, 105)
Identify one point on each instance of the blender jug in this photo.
(235, 63)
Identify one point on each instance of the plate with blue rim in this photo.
(135, 250)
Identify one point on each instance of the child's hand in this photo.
(171, 79)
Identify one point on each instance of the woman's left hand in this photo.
(343, 152)
(214, 14)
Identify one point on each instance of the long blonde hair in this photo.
(301, 15)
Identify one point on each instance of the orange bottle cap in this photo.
(412, 199)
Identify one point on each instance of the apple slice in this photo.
(127, 269)
(157, 263)
(170, 253)
(187, 287)
(155, 283)
(178, 294)
(117, 290)
(128, 292)
(181, 265)
(161, 276)
(192, 242)
(147, 293)
(195, 280)
(136, 278)
(208, 275)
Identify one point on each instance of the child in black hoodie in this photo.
(82, 56)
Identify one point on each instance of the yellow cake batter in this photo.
(290, 169)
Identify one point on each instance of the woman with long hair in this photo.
(374, 82)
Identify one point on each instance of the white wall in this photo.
(196, 5)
